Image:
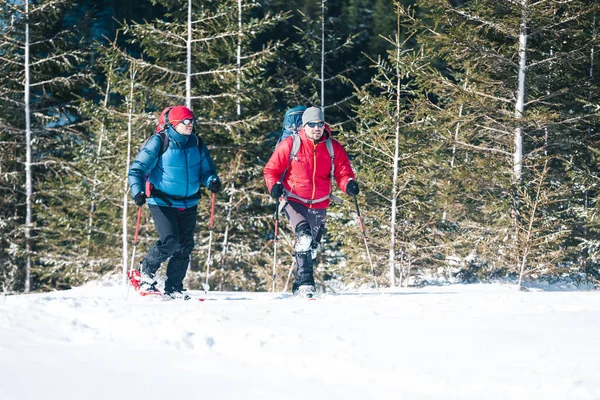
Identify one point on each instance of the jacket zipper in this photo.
(187, 177)
(314, 173)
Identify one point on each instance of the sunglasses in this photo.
(320, 124)
(187, 121)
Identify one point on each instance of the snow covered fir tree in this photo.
(471, 127)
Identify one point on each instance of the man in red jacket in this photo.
(306, 184)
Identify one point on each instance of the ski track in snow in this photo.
(449, 342)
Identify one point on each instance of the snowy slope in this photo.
(450, 342)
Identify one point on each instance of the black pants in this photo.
(176, 240)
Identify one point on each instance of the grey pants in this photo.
(308, 225)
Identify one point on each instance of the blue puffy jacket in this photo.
(177, 173)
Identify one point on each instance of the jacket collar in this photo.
(177, 137)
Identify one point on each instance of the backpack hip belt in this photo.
(167, 197)
(331, 196)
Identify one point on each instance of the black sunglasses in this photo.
(320, 124)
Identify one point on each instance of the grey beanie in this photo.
(312, 114)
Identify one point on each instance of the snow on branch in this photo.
(494, 26)
(68, 80)
(560, 55)
(481, 148)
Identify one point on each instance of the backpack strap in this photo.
(164, 145)
(200, 142)
(306, 201)
(295, 149)
(329, 144)
(164, 142)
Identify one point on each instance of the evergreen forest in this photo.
(471, 126)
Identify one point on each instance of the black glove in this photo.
(352, 188)
(277, 190)
(140, 199)
(214, 185)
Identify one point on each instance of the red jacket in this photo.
(308, 175)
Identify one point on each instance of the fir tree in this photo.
(43, 68)
(501, 103)
(392, 167)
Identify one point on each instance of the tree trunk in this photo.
(188, 77)
(520, 104)
(28, 180)
(323, 55)
(392, 250)
(239, 61)
(126, 188)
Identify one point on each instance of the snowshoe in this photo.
(143, 284)
(305, 291)
(177, 295)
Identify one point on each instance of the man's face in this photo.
(185, 127)
(314, 130)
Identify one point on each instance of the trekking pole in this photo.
(135, 237)
(275, 242)
(287, 281)
(362, 229)
(135, 242)
(210, 232)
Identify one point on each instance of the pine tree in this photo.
(582, 166)
(43, 68)
(501, 104)
(392, 168)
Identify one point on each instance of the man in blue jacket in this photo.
(174, 175)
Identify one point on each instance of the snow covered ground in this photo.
(447, 342)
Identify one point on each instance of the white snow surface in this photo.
(463, 342)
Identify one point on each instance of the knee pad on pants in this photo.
(303, 237)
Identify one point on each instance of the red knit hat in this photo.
(176, 115)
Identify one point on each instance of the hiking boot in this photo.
(177, 295)
(307, 291)
(148, 284)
